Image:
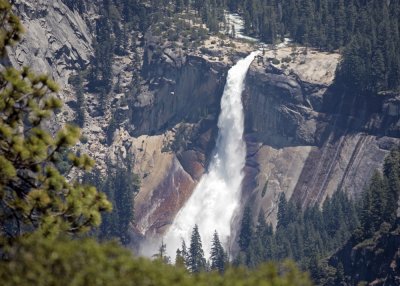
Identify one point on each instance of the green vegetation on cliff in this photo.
(366, 31)
(120, 185)
(304, 236)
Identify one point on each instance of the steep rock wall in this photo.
(302, 141)
(57, 40)
(179, 89)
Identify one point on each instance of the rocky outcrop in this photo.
(299, 145)
(165, 184)
(185, 91)
(57, 40)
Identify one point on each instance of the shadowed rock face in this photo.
(376, 260)
(186, 89)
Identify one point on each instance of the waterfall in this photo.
(216, 198)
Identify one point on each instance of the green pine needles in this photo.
(33, 193)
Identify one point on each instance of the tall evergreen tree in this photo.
(246, 229)
(185, 253)
(196, 260)
(181, 259)
(373, 205)
(282, 215)
(218, 258)
(392, 173)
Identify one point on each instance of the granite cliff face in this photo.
(57, 41)
(303, 141)
(303, 137)
(181, 87)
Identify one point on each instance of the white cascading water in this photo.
(216, 198)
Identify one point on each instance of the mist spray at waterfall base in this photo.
(216, 199)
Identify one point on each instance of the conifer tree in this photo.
(179, 259)
(262, 227)
(282, 215)
(373, 205)
(161, 255)
(218, 258)
(126, 186)
(185, 253)
(196, 260)
(246, 230)
(77, 82)
(120, 186)
(392, 173)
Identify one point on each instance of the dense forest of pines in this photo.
(367, 32)
(303, 236)
(120, 185)
(308, 236)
